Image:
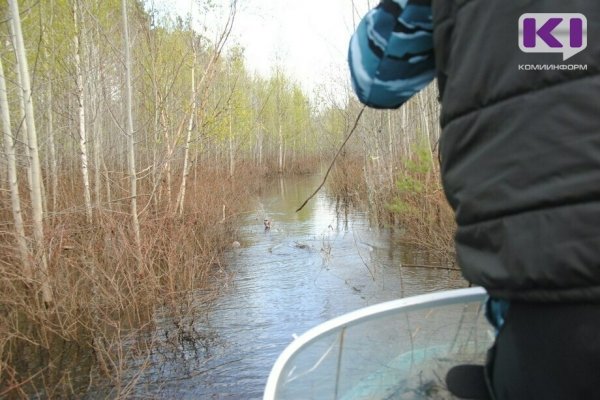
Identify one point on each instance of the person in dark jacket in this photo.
(519, 84)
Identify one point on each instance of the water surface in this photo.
(309, 267)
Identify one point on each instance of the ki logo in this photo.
(564, 33)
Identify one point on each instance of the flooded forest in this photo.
(149, 181)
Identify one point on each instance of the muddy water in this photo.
(309, 267)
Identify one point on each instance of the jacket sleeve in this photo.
(391, 53)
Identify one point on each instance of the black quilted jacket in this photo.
(520, 150)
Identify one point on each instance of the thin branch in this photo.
(334, 158)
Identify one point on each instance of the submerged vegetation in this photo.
(392, 169)
(131, 147)
(102, 300)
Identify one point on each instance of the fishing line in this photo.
(334, 158)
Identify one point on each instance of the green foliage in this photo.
(401, 207)
(420, 164)
(411, 185)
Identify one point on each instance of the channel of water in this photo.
(309, 267)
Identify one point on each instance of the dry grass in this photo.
(347, 181)
(427, 220)
(102, 302)
(415, 202)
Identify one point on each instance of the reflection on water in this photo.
(309, 267)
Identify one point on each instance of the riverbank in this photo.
(106, 293)
(406, 195)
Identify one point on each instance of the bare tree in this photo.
(36, 173)
(13, 34)
(83, 152)
(220, 44)
(130, 142)
(188, 140)
(9, 147)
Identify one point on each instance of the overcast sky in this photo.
(310, 37)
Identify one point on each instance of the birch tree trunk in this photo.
(83, 153)
(279, 125)
(188, 139)
(9, 148)
(52, 164)
(405, 129)
(424, 117)
(155, 170)
(12, 30)
(167, 165)
(280, 135)
(97, 80)
(52, 147)
(260, 146)
(231, 147)
(230, 117)
(36, 192)
(130, 143)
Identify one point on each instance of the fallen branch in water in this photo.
(334, 158)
